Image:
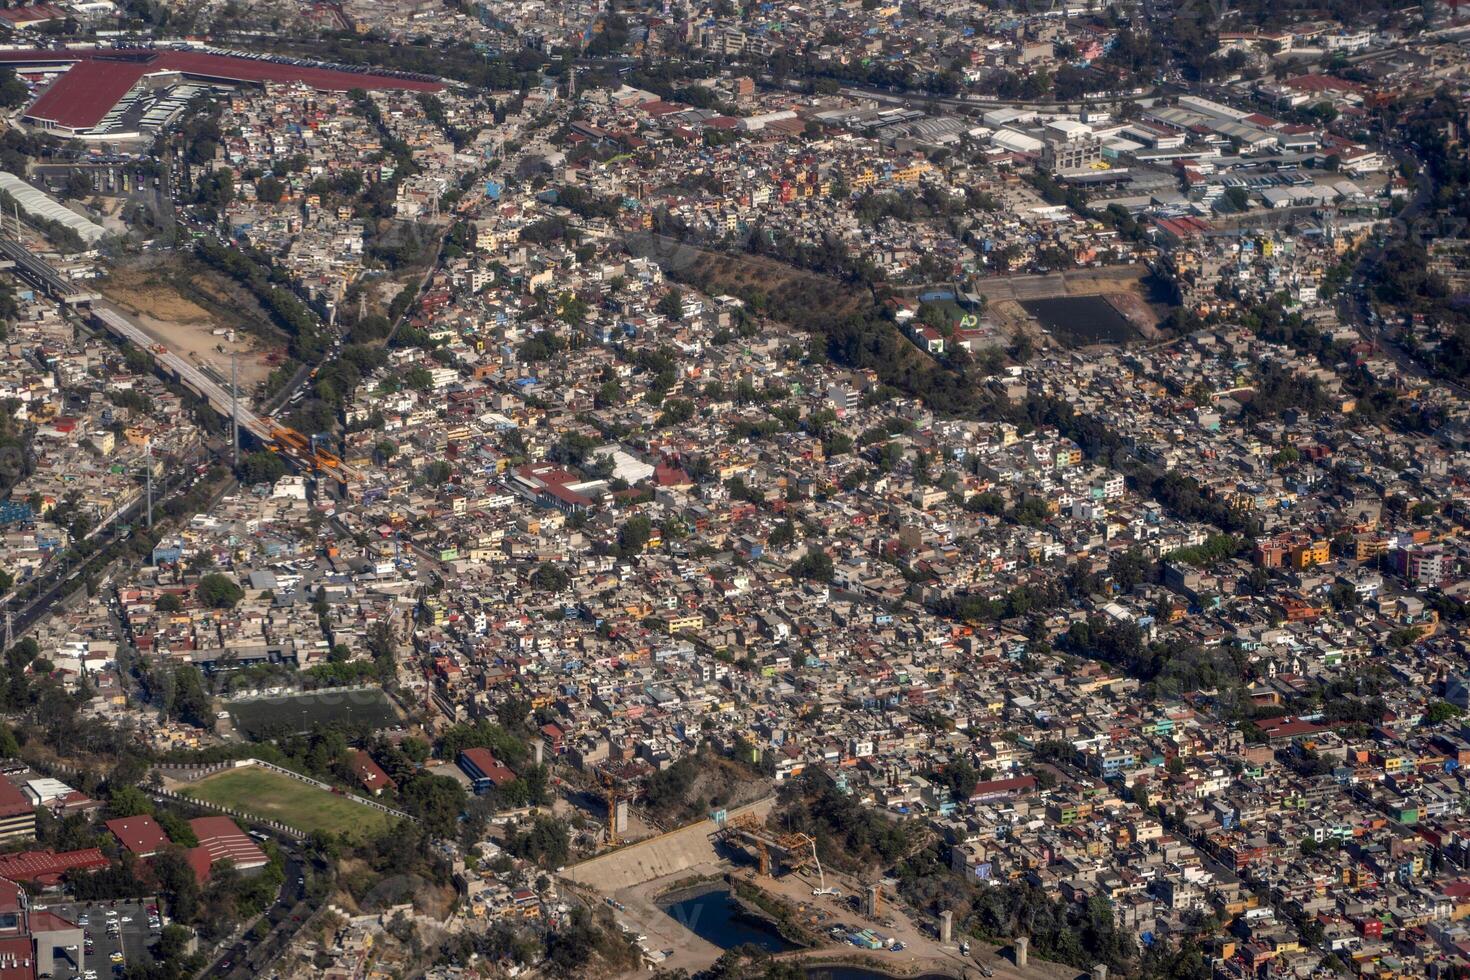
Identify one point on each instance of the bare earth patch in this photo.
(186, 327)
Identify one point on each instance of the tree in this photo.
(436, 800)
(269, 190)
(218, 591)
(549, 578)
(128, 801)
(177, 828)
(1441, 711)
(816, 565)
(782, 535)
(13, 92)
(633, 536)
(671, 304)
(261, 467)
(546, 842)
(78, 184)
(960, 777)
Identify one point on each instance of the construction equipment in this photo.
(289, 438)
(616, 801)
(303, 450)
(821, 888)
(794, 851)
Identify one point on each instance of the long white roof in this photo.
(39, 204)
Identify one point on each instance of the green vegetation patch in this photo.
(359, 710)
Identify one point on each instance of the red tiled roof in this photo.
(49, 865)
(1283, 728)
(98, 79)
(141, 835)
(199, 863)
(369, 773)
(568, 496)
(1003, 787)
(658, 107)
(223, 840)
(32, 14)
(13, 802)
(48, 922)
(486, 765)
(670, 476)
(16, 962)
(1322, 83)
(85, 94)
(11, 896)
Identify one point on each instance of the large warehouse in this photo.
(90, 85)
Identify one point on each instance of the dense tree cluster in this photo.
(849, 835)
(309, 341)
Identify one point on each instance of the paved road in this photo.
(43, 275)
(246, 957)
(1355, 304)
(105, 534)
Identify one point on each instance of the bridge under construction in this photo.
(774, 853)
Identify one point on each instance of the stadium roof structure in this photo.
(98, 79)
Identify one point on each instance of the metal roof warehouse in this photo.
(97, 80)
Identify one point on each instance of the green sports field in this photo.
(365, 709)
(273, 796)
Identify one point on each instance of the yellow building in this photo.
(1309, 554)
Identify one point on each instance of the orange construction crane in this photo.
(612, 798)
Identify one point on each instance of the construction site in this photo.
(670, 891)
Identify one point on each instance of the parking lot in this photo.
(131, 937)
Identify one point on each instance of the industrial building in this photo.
(93, 90)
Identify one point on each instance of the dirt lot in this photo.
(149, 293)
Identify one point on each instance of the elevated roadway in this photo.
(266, 431)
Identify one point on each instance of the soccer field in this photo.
(268, 794)
(364, 709)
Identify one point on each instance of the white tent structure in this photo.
(39, 204)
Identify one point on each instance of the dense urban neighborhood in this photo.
(734, 491)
